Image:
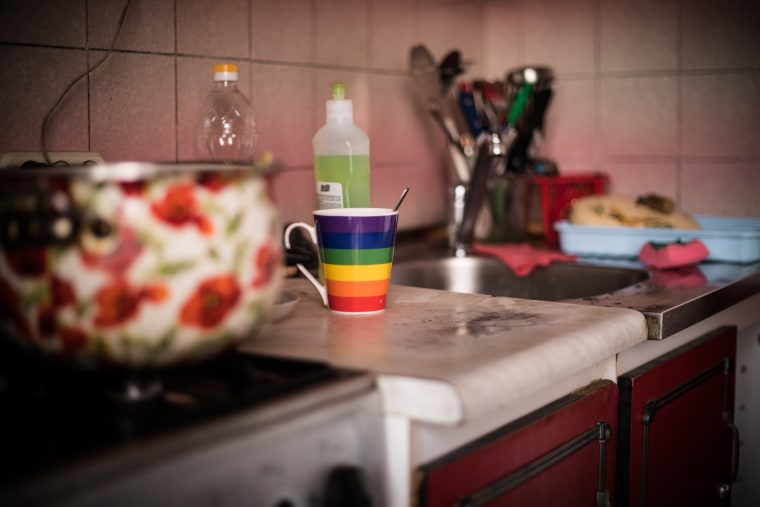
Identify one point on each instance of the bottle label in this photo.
(347, 180)
(329, 195)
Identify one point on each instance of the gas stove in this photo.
(236, 430)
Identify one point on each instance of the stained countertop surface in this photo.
(446, 357)
(672, 300)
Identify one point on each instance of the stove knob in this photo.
(346, 486)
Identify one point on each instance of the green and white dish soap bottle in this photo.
(341, 156)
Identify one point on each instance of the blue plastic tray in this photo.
(728, 239)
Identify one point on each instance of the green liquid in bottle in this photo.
(351, 172)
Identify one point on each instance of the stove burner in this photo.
(51, 415)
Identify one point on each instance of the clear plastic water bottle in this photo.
(227, 130)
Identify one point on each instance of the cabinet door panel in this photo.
(552, 457)
(677, 413)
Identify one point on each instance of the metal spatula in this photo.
(427, 87)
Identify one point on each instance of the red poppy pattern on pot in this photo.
(161, 271)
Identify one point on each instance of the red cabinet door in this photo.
(562, 454)
(677, 443)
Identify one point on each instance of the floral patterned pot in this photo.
(136, 265)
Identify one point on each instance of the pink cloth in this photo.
(522, 258)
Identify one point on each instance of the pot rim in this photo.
(132, 171)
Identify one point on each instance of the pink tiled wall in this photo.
(663, 95)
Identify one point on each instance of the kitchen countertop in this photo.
(444, 357)
(449, 358)
(672, 300)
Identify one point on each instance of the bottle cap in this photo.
(339, 108)
(338, 91)
(225, 72)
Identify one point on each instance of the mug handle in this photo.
(305, 272)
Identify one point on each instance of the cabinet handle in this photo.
(651, 408)
(735, 445)
(601, 432)
(603, 492)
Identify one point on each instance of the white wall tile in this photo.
(570, 125)
(294, 194)
(213, 27)
(50, 22)
(720, 35)
(34, 79)
(560, 34)
(725, 189)
(393, 25)
(638, 117)
(721, 115)
(625, 94)
(640, 35)
(148, 25)
(643, 178)
(132, 108)
(427, 201)
(282, 31)
(282, 94)
(405, 150)
(448, 25)
(504, 35)
(397, 128)
(342, 32)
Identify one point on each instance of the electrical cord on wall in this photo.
(52, 109)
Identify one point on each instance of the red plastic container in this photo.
(549, 199)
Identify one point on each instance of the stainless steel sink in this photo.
(485, 275)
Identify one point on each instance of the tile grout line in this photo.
(597, 91)
(250, 49)
(572, 76)
(312, 60)
(87, 66)
(176, 87)
(679, 105)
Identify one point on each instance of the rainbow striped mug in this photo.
(355, 254)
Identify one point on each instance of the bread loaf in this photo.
(629, 211)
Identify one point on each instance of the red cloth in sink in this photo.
(522, 258)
